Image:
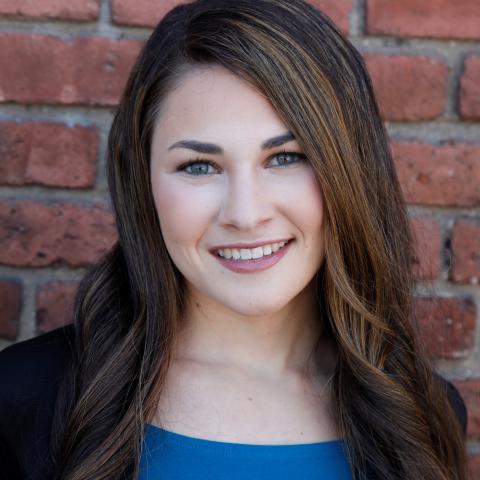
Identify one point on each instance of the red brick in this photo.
(409, 87)
(466, 251)
(427, 247)
(38, 234)
(338, 10)
(447, 325)
(432, 18)
(141, 12)
(47, 154)
(55, 9)
(44, 69)
(10, 308)
(470, 391)
(147, 13)
(447, 175)
(470, 88)
(55, 305)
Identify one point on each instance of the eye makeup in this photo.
(207, 163)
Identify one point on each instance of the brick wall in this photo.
(62, 68)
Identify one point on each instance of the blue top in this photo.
(178, 457)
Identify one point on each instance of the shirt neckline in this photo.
(161, 438)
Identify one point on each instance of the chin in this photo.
(255, 307)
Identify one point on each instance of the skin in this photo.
(242, 369)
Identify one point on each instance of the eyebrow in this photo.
(213, 149)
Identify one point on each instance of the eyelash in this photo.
(184, 166)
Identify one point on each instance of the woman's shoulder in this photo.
(31, 369)
(30, 375)
(456, 401)
(36, 355)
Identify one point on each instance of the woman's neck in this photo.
(280, 343)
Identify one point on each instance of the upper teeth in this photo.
(249, 253)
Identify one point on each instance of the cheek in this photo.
(184, 211)
(303, 200)
(313, 211)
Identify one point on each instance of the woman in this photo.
(257, 309)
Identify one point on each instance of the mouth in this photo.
(241, 253)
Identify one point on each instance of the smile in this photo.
(251, 260)
(250, 253)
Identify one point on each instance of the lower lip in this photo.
(254, 265)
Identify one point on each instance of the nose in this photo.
(246, 203)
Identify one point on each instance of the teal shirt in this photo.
(172, 456)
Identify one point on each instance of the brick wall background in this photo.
(62, 68)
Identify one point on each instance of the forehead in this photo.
(212, 103)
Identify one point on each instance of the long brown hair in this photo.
(393, 414)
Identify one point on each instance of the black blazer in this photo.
(30, 373)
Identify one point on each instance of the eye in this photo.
(197, 168)
(285, 159)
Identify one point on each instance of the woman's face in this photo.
(221, 180)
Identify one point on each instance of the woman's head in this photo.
(297, 76)
(241, 189)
